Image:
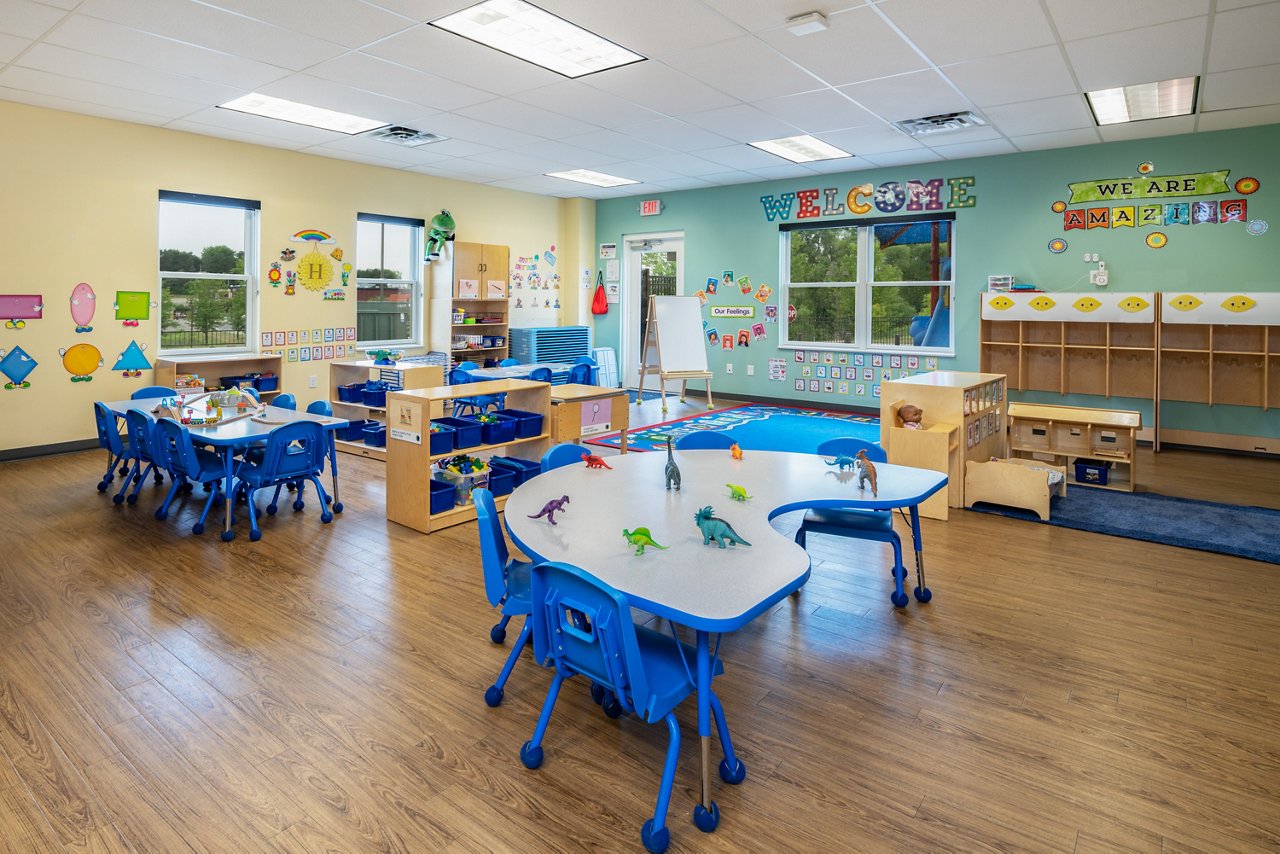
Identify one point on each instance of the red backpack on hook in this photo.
(600, 302)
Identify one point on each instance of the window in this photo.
(208, 294)
(388, 280)
(883, 285)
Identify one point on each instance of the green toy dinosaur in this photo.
(713, 528)
(737, 493)
(441, 231)
(640, 538)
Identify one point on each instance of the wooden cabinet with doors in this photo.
(480, 271)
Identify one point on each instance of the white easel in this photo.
(685, 356)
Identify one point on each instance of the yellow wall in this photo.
(81, 206)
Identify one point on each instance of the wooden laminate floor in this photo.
(322, 690)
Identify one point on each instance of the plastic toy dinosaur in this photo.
(672, 470)
(737, 493)
(866, 472)
(844, 461)
(551, 508)
(594, 462)
(716, 529)
(735, 451)
(640, 538)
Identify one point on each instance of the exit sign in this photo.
(650, 207)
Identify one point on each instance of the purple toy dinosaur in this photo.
(552, 507)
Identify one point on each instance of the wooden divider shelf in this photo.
(1062, 434)
(401, 374)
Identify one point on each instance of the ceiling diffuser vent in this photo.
(406, 136)
(940, 123)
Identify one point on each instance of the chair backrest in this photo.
(580, 374)
(467, 366)
(540, 375)
(584, 626)
(850, 446)
(141, 430)
(251, 392)
(305, 457)
(172, 448)
(108, 430)
(320, 407)
(285, 401)
(585, 360)
(459, 376)
(152, 391)
(563, 454)
(705, 440)
(493, 546)
(509, 363)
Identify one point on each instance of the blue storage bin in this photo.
(375, 434)
(501, 480)
(521, 468)
(495, 434)
(441, 440)
(441, 496)
(351, 393)
(528, 424)
(466, 433)
(374, 394)
(354, 431)
(235, 381)
(1092, 471)
(269, 383)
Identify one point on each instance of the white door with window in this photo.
(653, 266)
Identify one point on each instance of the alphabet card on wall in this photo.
(17, 309)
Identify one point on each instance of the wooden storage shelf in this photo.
(214, 367)
(1062, 434)
(487, 266)
(402, 375)
(489, 449)
(360, 449)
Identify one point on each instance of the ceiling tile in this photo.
(585, 103)
(639, 170)
(985, 148)
(1239, 118)
(675, 133)
(419, 10)
(904, 158)
(11, 46)
(203, 129)
(742, 123)
(113, 72)
(683, 164)
(259, 125)
(28, 20)
(509, 113)
(436, 51)
(467, 169)
(660, 88)
(347, 22)
(955, 137)
(739, 157)
(1245, 38)
(1148, 129)
(839, 164)
(655, 28)
(1079, 19)
(871, 140)
(61, 4)
(1057, 139)
(70, 105)
(355, 157)
(74, 89)
(724, 179)
(362, 71)
(814, 112)
(616, 144)
(1021, 76)
(908, 96)
(368, 146)
(744, 67)
(1043, 116)
(540, 184)
(787, 170)
(306, 89)
(952, 32)
(1228, 5)
(858, 46)
(459, 147)
(494, 136)
(1146, 55)
(684, 184)
(103, 38)
(213, 28)
(757, 15)
(580, 158)
(527, 164)
(1247, 87)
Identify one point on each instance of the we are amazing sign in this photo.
(889, 197)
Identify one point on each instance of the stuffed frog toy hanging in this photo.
(442, 226)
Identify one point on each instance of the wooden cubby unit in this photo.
(495, 308)
(401, 375)
(1062, 434)
(213, 367)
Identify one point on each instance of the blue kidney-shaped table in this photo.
(708, 589)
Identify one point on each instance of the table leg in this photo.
(228, 499)
(923, 593)
(706, 815)
(333, 467)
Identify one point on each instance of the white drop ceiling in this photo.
(718, 74)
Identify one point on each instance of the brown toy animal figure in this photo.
(594, 462)
(910, 415)
(866, 472)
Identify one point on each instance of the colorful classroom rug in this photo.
(1223, 528)
(648, 395)
(757, 427)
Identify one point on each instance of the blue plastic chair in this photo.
(540, 375)
(580, 374)
(583, 626)
(139, 454)
(153, 391)
(506, 583)
(474, 404)
(285, 401)
(701, 440)
(295, 454)
(876, 525)
(186, 465)
(110, 440)
(564, 454)
(509, 363)
(251, 392)
(320, 407)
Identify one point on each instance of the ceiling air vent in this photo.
(940, 123)
(406, 136)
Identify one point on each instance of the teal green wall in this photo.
(1005, 233)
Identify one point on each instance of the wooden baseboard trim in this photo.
(47, 450)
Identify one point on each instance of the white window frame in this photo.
(416, 288)
(863, 282)
(248, 277)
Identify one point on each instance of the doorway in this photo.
(654, 267)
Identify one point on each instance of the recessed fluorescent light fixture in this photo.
(801, 149)
(596, 179)
(300, 114)
(1144, 101)
(529, 33)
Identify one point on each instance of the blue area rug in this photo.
(648, 395)
(1252, 532)
(757, 427)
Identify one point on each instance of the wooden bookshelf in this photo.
(400, 375)
(212, 367)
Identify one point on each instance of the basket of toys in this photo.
(464, 473)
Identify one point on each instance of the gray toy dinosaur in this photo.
(672, 470)
(716, 529)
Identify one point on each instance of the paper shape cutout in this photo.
(83, 303)
(81, 360)
(273, 275)
(1247, 186)
(315, 271)
(336, 294)
(132, 306)
(336, 254)
(313, 235)
(17, 309)
(132, 361)
(1257, 227)
(287, 255)
(1057, 246)
(17, 365)
(1157, 240)
(1146, 167)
